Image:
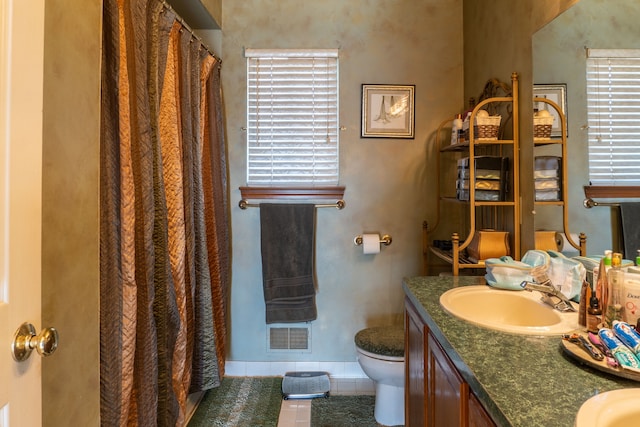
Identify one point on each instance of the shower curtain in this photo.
(163, 216)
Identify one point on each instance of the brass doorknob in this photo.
(25, 340)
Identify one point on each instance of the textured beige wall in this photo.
(71, 235)
(214, 7)
(546, 10)
(390, 184)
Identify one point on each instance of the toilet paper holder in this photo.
(385, 240)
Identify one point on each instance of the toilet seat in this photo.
(382, 342)
(380, 357)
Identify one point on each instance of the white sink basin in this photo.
(617, 408)
(517, 312)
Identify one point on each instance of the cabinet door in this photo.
(415, 381)
(447, 394)
(478, 417)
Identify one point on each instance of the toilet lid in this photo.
(382, 340)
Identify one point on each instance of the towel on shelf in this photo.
(630, 221)
(287, 239)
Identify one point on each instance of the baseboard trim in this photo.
(193, 400)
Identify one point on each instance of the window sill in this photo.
(611, 192)
(335, 193)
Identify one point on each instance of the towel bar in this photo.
(590, 203)
(243, 204)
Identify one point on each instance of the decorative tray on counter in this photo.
(579, 354)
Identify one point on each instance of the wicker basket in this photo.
(542, 127)
(486, 128)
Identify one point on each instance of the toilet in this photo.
(381, 356)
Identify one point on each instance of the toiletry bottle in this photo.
(585, 295)
(594, 315)
(601, 284)
(603, 269)
(456, 128)
(638, 257)
(615, 279)
(608, 254)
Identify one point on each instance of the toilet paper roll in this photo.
(371, 243)
(565, 246)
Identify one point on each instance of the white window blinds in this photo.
(292, 117)
(613, 107)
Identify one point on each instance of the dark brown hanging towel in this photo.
(287, 239)
(630, 216)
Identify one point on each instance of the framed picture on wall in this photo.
(557, 93)
(387, 111)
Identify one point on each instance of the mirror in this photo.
(559, 57)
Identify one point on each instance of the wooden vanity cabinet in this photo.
(435, 393)
(478, 417)
(415, 390)
(447, 393)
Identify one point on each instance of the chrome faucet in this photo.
(550, 295)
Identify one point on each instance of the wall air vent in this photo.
(289, 339)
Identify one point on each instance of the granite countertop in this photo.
(521, 380)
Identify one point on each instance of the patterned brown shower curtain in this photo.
(164, 217)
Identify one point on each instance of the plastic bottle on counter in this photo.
(615, 281)
(601, 285)
(638, 257)
(608, 257)
(603, 269)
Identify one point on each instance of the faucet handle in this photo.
(558, 301)
(550, 295)
(540, 276)
(564, 306)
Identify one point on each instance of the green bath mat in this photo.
(241, 402)
(343, 411)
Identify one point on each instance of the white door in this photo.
(21, 75)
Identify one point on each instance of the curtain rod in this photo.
(188, 28)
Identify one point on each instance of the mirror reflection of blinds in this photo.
(613, 108)
(292, 117)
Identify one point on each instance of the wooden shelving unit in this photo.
(494, 214)
(581, 244)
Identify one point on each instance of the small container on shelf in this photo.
(546, 167)
(486, 127)
(490, 178)
(487, 244)
(547, 178)
(456, 130)
(542, 125)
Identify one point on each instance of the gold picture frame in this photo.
(388, 111)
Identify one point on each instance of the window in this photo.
(292, 117)
(613, 108)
